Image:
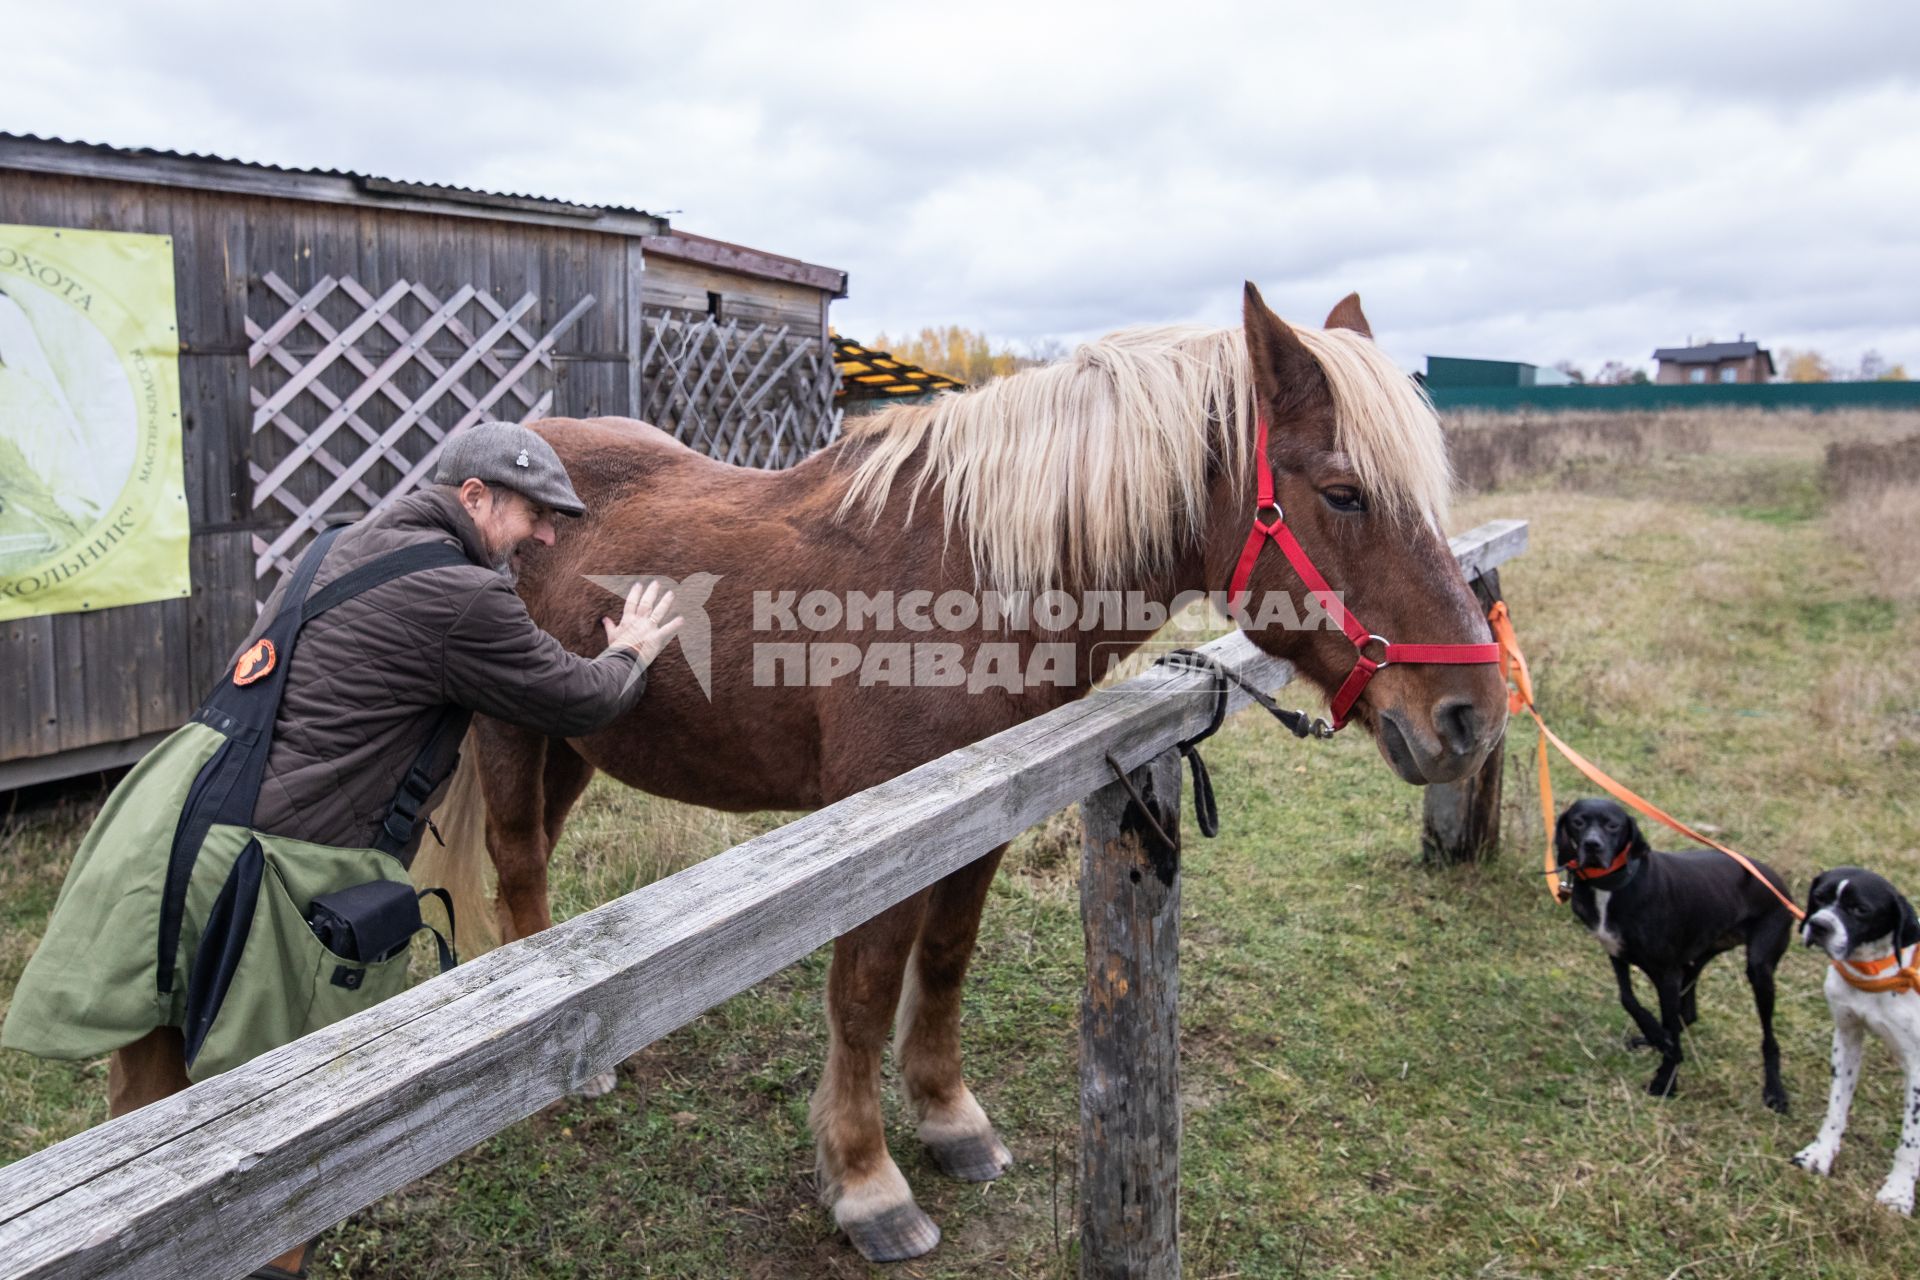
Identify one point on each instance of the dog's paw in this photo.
(1815, 1159)
(1775, 1098)
(1897, 1198)
(1664, 1085)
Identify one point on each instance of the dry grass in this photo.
(1874, 491)
(1491, 450)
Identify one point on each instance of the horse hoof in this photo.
(978, 1159)
(598, 1087)
(900, 1233)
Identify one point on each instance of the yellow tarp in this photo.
(93, 504)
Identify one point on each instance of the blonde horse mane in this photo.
(1094, 471)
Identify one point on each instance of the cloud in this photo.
(1496, 180)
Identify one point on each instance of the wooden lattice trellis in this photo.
(362, 403)
(757, 396)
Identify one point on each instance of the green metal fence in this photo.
(1769, 395)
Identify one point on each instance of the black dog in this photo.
(1669, 914)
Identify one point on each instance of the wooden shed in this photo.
(334, 328)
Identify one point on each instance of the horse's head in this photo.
(1360, 477)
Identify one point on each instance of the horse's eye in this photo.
(1343, 497)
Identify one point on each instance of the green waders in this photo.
(176, 912)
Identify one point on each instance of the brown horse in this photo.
(1126, 468)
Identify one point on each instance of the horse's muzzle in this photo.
(1455, 743)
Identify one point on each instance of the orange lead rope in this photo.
(1513, 665)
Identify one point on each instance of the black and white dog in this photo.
(1863, 923)
(1668, 914)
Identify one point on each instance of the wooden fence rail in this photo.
(240, 1168)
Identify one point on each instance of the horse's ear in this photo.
(1283, 368)
(1346, 314)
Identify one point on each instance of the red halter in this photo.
(1363, 666)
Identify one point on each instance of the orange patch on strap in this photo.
(255, 663)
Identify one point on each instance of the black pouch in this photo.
(373, 921)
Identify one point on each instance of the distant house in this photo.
(1740, 361)
(1457, 371)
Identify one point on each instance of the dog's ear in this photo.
(1813, 888)
(1563, 842)
(1907, 932)
(1637, 846)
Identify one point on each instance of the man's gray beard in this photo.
(504, 566)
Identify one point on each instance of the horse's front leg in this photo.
(927, 1031)
(869, 1196)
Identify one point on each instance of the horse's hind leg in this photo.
(511, 777)
(927, 1031)
(531, 783)
(870, 1198)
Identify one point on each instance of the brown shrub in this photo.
(1865, 467)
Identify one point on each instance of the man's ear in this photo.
(1284, 371)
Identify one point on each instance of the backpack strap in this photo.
(403, 815)
(395, 564)
(449, 957)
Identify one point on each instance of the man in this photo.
(371, 677)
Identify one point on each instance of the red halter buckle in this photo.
(1276, 530)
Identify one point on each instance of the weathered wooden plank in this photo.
(1130, 1028)
(1461, 820)
(751, 262)
(221, 610)
(631, 322)
(240, 1168)
(1488, 546)
(26, 687)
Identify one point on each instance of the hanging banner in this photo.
(93, 504)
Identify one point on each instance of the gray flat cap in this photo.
(505, 453)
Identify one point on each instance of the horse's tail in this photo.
(460, 864)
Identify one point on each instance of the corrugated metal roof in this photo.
(366, 181)
(343, 186)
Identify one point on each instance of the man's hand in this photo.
(644, 626)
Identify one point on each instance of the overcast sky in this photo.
(1501, 180)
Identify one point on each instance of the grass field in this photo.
(1388, 1070)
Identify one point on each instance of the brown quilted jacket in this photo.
(370, 676)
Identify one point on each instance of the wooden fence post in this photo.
(1130, 1029)
(1463, 818)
